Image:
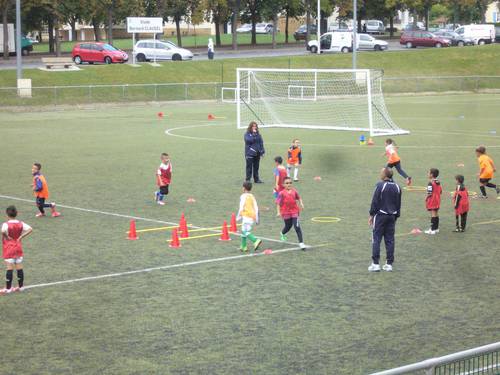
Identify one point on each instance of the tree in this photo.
(5, 6)
(270, 10)
(234, 5)
(251, 14)
(217, 12)
(292, 9)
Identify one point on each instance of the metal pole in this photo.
(133, 46)
(354, 31)
(318, 28)
(19, 51)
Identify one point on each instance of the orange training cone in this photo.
(370, 142)
(233, 228)
(132, 234)
(184, 230)
(211, 117)
(225, 234)
(174, 241)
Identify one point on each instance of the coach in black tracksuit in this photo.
(384, 211)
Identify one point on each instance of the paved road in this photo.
(33, 61)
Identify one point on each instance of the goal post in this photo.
(337, 99)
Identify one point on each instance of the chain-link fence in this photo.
(73, 95)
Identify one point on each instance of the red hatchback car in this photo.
(97, 52)
(422, 38)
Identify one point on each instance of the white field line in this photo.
(170, 132)
(172, 266)
(135, 218)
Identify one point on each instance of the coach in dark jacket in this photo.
(384, 211)
(254, 150)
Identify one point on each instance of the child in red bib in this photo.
(290, 210)
(461, 204)
(13, 231)
(433, 200)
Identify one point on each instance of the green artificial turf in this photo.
(314, 312)
(478, 61)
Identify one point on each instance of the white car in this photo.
(368, 42)
(375, 27)
(264, 28)
(147, 50)
(245, 28)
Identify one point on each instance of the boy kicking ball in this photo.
(13, 231)
(248, 213)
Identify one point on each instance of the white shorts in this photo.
(247, 224)
(14, 260)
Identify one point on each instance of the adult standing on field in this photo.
(254, 150)
(211, 49)
(384, 211)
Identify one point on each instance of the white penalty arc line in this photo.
(135, 218)
(172, 266)
(169, 132)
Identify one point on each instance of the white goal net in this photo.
(338, 99)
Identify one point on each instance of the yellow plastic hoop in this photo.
(415, 188)
(325, 219)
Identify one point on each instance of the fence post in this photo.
(477, 84)
(90, 94)
(55, 95)
(185, 91)
(215, 91)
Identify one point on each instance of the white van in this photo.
(336, 41)
(481, 34)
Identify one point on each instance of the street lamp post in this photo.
(318, 28)
(19, 51)
(354, 32)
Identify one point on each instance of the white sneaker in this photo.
(161, 203)
(5, 291)
(387, 267)
(430, 231)
(302, 246)
(374, 268)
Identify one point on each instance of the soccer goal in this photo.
(337, 99)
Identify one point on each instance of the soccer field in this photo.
(140, 307)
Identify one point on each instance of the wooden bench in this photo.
(57, 62)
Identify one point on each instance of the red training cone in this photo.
(132, 233)
(160, 114)
(370, 142)
(225, 234)
(416, 231)
(174, 241)
(233, 228)
(183, 227)
(211, 117)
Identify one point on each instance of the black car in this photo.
(456, 39)
(300, 33)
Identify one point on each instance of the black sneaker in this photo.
(259, 182)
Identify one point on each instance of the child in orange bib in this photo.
(393, 159)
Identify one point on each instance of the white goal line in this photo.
(171, 266)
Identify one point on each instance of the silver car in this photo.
(147, 50)
(368, 42)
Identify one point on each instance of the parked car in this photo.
(368, 42)
(97, 52)
(300, 33)
(245, 28)
(338, 41)
(497, 34)
(147, 50)
(375, 27)
(420, 38)
(264, 28)
(414, 27)
(340, 26)
(456, 39)
(481, 34)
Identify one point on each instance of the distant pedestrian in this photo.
(384, 211)
(254, 150)
(364, 27)
(211, 49)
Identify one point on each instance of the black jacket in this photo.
(254, 145)
(386, 199)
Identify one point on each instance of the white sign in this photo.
(144, 24)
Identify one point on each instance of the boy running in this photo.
(294, 159)
(486, 169)
(13, 231)
(433, 200)
(280, 174)
(393, 159)
(290, 210)
(41, 191)
(461, 204)
(248, 213)
(163, 178)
